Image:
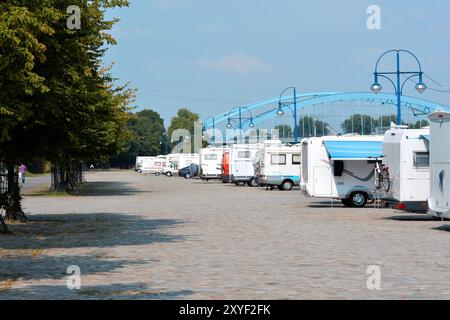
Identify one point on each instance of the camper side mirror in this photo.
(338, 168)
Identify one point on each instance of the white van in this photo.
(278, 165)
(406, 156)
(242, 157)
(210, 165)
(341, 168)
(153, 165)
(439, 201)
(178, 161)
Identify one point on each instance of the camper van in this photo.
(211, 162)
(278, 165)
(178, 161)
(152, 165)
(439, 201)
(341, 168)
(241, 168)
(406, 157)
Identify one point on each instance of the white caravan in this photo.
(406, 156)
(439, 201)
(178, 161)
(341, 168)
(278, 165)
(242, 170)
(152, 165)
(210, 165)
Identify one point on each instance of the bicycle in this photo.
(382, 177)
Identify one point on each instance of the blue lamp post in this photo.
(240, 119)
(281, 105)
(420, 86)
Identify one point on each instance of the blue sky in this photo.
(211, 56)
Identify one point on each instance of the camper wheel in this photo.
(169, 174)
(157, 173)
(240, 183)
(358, 199)
(188, 176)
(287, 185)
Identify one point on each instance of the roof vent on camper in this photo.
(269, 143)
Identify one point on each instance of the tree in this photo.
(309, 127)
(57, 100)
(145, 138)
(284, 131)
(185, 119)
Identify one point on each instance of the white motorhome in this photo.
(152, 165)
(242, 170)
(439, 201)
(278, 165)
(406, 156)
(178, 161)
(211, 162)
(341, 168)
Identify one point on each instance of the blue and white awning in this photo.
(354, 150)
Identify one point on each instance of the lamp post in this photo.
(240, 119)
(420, 86)
(281, 105)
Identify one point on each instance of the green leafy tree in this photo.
(146, 134)
(284, 131)
(310, 127)
(185, 119)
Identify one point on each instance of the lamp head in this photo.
(280, 112)
(376, 88)
(229, 126)
(421, 87)
(251, 125)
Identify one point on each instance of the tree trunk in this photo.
(13, 208)
(5, 229)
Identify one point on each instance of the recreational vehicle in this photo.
(241, 168)
(406, 158)
(278, 165)
(439, 201)
(178, 161)
(211, 162)
(341, 168)
(152, 165)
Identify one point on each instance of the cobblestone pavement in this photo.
(147, 237)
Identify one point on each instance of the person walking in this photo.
(22, 172)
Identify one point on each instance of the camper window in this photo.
(421, 159)
(244, 155)
(278, 159)
(296, 159)
(210, 156)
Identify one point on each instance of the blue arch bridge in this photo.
(297, 116)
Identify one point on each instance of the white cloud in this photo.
(236, 63)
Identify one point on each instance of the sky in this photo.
(211, 56)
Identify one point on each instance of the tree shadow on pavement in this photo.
(90, 230)
(107, 188)
(129, 291)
